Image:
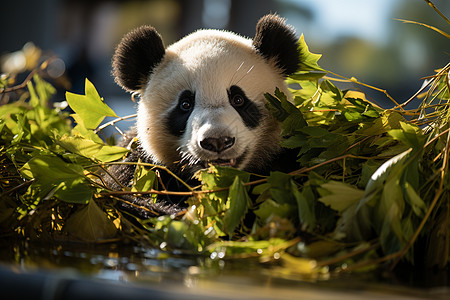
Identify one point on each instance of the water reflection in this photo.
(155, 269)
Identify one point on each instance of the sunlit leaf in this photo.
(66, 181)
(308, 60)
(89, 107)
(90, 149)
(143, 179)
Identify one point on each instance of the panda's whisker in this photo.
(249, 70)
(235, 72)
(187, 158)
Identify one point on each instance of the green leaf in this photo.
(285, 111)
(306, 206)
(238, 201)
(220, 177)
(270, 208)
(44, 91)
(309, 91)
(110, 153)
(332, 90)
(79, 145)
(52, 175)
(280, 188)
(341, 195)
(143, 179)
(277, 110)
(417, 204)
(305, 76)
(409, 134)
(90, 149)
(368, 168)
(308, 60)
(176, 233)
(89, 107)
(90, 224)
(296, 141)
(75, 190)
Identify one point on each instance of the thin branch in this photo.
(437, 10)
(145, 165)
(354, 80)
(426, 25)
(113, 122)
(18, 187)
(19, 86)
(151, 192)
(305, 170)
(42, 66)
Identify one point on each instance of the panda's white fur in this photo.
(208, 64)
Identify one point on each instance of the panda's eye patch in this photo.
(186, 101)
(247, 109)
(177, 118)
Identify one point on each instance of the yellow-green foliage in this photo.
(367, 179)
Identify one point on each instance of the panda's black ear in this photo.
(277, 41)
(136, 56)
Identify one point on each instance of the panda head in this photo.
(202, 98)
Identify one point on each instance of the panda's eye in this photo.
(186, 101)
(237, 100)
(185, 105)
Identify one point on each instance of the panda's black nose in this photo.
(217, 144)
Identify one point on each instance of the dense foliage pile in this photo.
(372, 184)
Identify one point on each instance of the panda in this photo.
(202, 99)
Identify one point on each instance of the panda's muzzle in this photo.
(218, 145)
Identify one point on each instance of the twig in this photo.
(19, 86)
(113, 122)
(145, 165)
(305, 170)
(18, 187)
(426, 25)
(42, 66)
(354, 80)
(138, 206)
(437, 10)
(150, 192)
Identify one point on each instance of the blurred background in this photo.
(357, 38)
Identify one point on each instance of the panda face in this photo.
(205, 104)
(202, 98)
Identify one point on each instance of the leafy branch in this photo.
(368, 187)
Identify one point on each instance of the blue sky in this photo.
(367, 19)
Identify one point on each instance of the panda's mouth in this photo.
(223, 162)
(229, 162)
